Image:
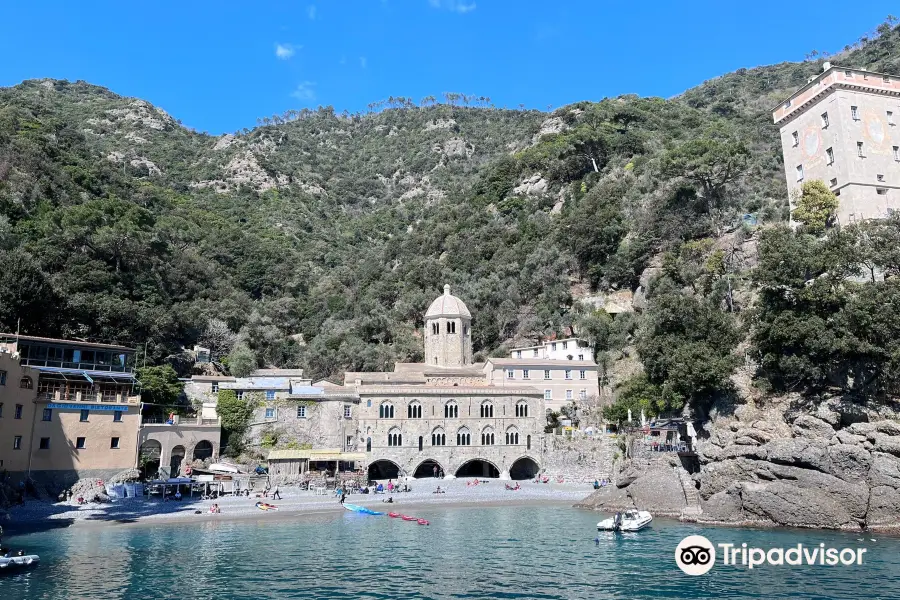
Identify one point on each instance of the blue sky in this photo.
(218, 65)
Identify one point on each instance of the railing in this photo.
(93, 398)
(80, 366)
(178, 420)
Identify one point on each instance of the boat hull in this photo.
(640, 521)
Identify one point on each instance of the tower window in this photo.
(848, 74)
(796, 138)
(890, 117)
(829, 153)
(825, 120)
(859, 150)
(834, 182)
(799, 172)
(435, 328)
(881, 191)
(897, 153)
(879, 177)
(854, 113)
(451, 327)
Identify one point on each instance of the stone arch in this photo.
(512, 436)
(478, 467)
(426, 468)
(463, 436)
(522, 408)
(438, 437)
(383, 469)
(203, 450)
(385, 410)
(524, 467)
(176, 458)
(451, 409)
(149, 457)
(394, 437)
(487, 436)
(487, 410)
(414, 410)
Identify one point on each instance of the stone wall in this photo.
(323, 425)
(580, 459)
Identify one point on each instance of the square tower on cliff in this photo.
(843, 128)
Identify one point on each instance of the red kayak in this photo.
(393, 515)
(408, 518)
(423, 522)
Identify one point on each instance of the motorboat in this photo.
(16, 563)
(630, 520)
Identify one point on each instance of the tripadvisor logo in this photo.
(696, 555)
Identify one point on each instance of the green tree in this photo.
(160, 385)
(815, 207)
(242, 361)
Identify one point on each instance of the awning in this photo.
(90, 376)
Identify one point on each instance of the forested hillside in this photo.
(317, 239)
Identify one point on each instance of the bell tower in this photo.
(448, 332)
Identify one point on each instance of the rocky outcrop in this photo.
(829, 465)
(533, 186)
(817, 468)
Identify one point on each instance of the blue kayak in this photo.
(362, 509)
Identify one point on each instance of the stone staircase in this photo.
(692, 510)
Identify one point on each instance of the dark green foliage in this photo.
(813, 327)
(687, 346)
(160, 386)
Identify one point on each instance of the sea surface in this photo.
(497, 552)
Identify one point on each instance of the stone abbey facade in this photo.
(445, 416)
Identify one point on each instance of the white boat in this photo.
(222, 467)
(630, 520)
(14, 563)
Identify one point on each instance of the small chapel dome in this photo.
(448, 306)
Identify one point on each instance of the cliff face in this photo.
(831, 465)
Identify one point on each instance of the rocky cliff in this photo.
(829, 464)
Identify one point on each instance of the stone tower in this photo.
(448, 332)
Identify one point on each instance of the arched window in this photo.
(438, 437)
(420, 443)
(528, 442)
(512, 437)
(414, 410)
(435, 328)
(487, 410)
(522, 409)
(386, 411)
(487, 436)
(368, 444)
(463, 437)
(26, 383)
(451, 327)
(451, 410)
(394, 437)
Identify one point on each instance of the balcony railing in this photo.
(81, 366)
(93, 398)
(178, 420)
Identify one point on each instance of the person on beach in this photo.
(434, 470)
(390, 486)
(276, 493)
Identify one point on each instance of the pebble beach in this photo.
(294, 502)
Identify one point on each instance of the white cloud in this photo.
(285, 51)
(311, 12)
(304, 91)
(456, 6)
(363, 62)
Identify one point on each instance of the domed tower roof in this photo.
(448, 306)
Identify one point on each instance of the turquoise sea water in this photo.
(506, 552)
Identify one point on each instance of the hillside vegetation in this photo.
(318, 239)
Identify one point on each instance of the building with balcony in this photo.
(842, 128)
(85, 408)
